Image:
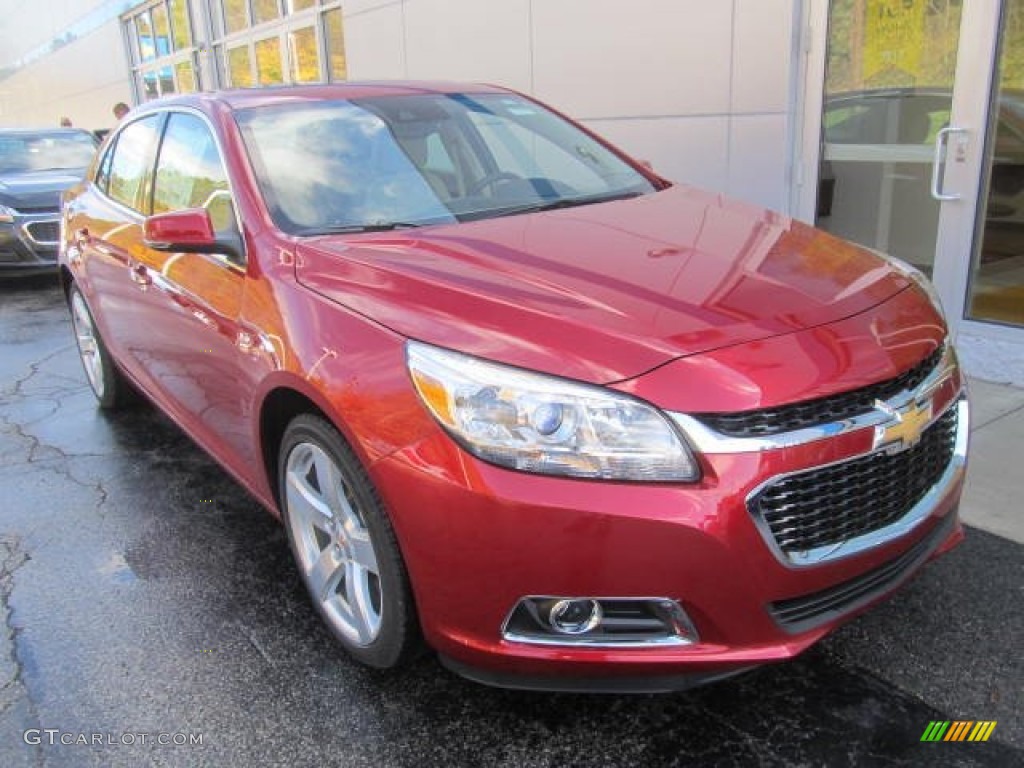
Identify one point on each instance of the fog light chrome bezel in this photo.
(615, 622)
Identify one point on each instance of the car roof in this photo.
(244, 98)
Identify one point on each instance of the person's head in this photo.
(65, 122)
(121, 109)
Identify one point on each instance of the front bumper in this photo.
(477, 538)
(29, 244)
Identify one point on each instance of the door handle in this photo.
(939, 164)
(140, 275)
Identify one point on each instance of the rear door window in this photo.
(132, 163)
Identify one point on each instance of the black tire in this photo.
(370, 613)
(107, 383)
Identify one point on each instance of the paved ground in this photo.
(144, 593)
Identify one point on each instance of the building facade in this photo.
(895, 123)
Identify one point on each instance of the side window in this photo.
(132, 161)
(103, 172)
(190, 173)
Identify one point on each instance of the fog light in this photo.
(574, 617)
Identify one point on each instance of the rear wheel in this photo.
(344, 545)
(106, 381)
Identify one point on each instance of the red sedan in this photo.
(512, 394)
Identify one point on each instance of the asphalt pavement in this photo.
(146, 598)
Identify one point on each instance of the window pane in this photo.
(190, 173)
(185, 77)
(161, 30)
(165, 80)
(239, 71)
(291, 6)
(144, 28)
(181, 29)
(996, 291)
(132, 162)
(236, 16)
(336, 69)
(265, 10)
(268, 61)
(148, 86)
(305, 58)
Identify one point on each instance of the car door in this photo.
(201, 355)
(105, 227)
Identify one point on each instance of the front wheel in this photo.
(344, 545)
(106, 381)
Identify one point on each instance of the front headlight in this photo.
(538, 423)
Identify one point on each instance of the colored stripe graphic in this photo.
(982, 730)
(959, 730)
(935, 730)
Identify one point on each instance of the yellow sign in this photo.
(893, 41)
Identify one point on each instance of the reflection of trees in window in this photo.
(268, 61)
(265, 10)
(335, 45)
(305, 57)
(185, 77)
(236, 16)
(181, 29)
(239, 71)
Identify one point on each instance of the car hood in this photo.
(37, 189)
(602, 292)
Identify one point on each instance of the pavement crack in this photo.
(12, 557)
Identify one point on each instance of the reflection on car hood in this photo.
(37, 189)
(603, 292)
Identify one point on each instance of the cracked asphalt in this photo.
(143, 593)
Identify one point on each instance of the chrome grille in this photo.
(824, 410)
(44, 232)
(830, 505)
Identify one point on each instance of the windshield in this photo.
(27, 152)
(399, 161)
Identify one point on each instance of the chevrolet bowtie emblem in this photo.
(904, 427)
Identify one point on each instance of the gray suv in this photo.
(36, 166)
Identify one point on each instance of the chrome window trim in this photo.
(707, 440)
(867, 541)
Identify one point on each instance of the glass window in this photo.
(239, 68)
(144, 32)
(418, 159)
(190, 173)
(268, 61)
(236, 15)
(185, 77)
(103, 171)
(291, 6)
(336, 67)
(996, 292)
(181, 27)
(132, 163)
(161, 30)
(265, 10)
(304, 55)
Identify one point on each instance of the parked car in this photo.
(511, 393)
(36, 166)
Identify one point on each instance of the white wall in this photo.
(701, 88)
(81, 80)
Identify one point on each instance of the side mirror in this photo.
(189, 231)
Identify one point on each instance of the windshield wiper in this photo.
(341, 229)
(564, 202)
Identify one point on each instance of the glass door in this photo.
(921, 151)
(995, 286)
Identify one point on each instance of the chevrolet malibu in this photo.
(515, 397)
